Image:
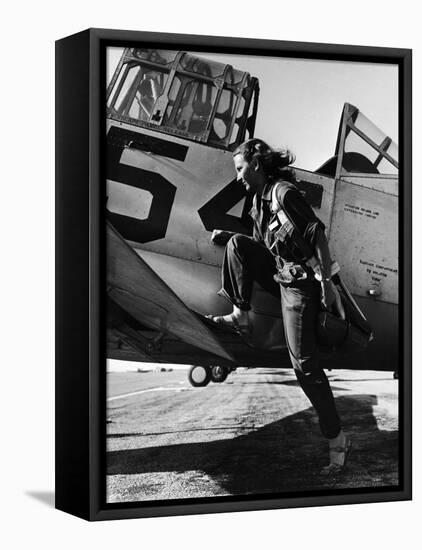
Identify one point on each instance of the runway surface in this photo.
(253, 434)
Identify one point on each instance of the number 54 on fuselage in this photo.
(173, 121)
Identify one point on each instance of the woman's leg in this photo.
(300, 306)
(245, 261)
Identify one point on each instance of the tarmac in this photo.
(254, 434)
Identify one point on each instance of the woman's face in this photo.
(249, 174)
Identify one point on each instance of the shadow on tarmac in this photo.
(291, 383)
(282, 456)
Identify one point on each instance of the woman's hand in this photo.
(221, 237)
(328, 296)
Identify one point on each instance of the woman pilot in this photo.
(282, 220)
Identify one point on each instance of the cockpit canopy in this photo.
(184, 95)
(361, 148)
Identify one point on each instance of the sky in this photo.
(301, 101)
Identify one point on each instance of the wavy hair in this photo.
(275, 163)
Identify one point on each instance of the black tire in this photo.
(219, 374)
(199, 376)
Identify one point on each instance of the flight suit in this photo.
(273, 259)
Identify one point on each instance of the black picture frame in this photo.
(80, 261)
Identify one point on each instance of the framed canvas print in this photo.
(233, 274)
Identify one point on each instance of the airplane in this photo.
(173, 121)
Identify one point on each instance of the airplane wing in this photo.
(133, 287)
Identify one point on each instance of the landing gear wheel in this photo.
(219, 374)
(199, 376)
